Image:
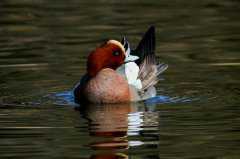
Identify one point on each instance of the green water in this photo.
(43, 50)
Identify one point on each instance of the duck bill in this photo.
(131, 58)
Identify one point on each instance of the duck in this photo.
(117, 74)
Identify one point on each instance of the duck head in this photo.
(111, 54)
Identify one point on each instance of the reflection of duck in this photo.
(109, 121)
(117, 122)
(109, 156)
(113, 76)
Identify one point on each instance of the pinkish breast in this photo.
(107, 87)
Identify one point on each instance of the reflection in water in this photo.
(109, 156)
(120, 126)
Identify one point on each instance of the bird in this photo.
(117, 74)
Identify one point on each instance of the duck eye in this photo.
(116, 53)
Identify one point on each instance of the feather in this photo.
(146, 46)
(149, 70)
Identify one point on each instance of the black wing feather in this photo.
(149, 68)
(146, 46)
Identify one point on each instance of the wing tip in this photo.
(151, 30)
(147, 44)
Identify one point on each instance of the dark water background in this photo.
(43, 50)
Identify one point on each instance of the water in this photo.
(43, 50)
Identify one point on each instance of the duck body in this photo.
(114, 76)
(107, 87)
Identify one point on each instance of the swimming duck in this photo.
(117, 74)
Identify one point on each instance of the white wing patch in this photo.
(130, 71)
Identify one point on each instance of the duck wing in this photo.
(146, 46)
(149, 68)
